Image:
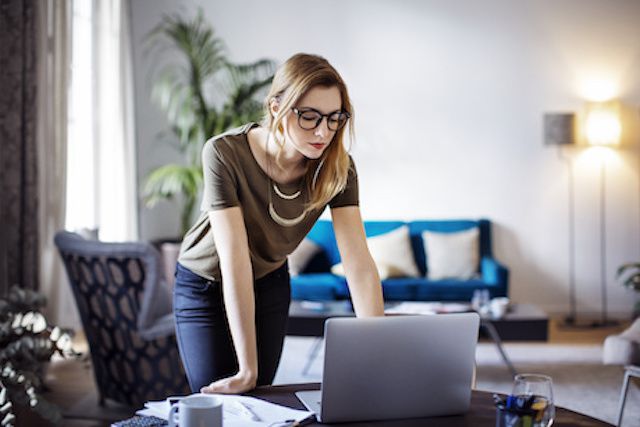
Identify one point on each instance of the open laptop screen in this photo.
(397, 367)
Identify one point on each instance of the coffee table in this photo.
(524, 322)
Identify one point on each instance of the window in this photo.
(101, 178)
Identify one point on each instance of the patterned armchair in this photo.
(126, 313)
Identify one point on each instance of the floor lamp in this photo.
(603, 128)
(559, 131)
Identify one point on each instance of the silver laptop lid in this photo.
(398, 367)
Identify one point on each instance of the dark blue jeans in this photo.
(204, 339)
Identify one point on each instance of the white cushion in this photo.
(623, 348)
(385, 271)
(300, 257)
(452, 255)
(392, 254)
(618, 350)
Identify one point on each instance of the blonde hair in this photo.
(291, 82)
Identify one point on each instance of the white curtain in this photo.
(54, 66)
(114, 136)
(101, 173)
(86, 149)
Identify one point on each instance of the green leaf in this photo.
(202, 94)
(627, 266)
(629, 275)
(23, 352)
(170, 180)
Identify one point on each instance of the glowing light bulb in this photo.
(598, 89)
(602, 127)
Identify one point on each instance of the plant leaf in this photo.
(167, 181)
(627, 266)
(202, 94)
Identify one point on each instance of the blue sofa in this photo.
(317, 283)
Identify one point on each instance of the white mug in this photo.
(197, 410)
(498, 307)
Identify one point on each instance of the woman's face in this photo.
(312, 143)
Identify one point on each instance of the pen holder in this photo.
(507, 418)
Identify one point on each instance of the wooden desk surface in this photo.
(482, 411)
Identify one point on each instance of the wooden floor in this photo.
(72, 387)
(560, 334)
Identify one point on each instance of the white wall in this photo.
(449, 98)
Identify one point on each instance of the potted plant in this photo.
(629, 275)
(27, 343)
(203, 95)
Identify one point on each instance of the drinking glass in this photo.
(540, 386)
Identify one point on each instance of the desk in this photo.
(481, 414)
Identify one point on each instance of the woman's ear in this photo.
(274, 106)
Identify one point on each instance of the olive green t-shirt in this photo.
(233, 177)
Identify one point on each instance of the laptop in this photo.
(394, 367)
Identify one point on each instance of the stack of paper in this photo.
(239, 411)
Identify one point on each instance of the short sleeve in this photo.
(220, 188)
(350, 195)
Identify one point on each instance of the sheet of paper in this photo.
(418, 307)
(268, 414)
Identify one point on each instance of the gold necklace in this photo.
(277, 218)
(285, 196)
(285, 222)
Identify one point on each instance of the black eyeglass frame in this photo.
(299, 113)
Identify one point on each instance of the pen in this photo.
(291, 423)
(247, 411)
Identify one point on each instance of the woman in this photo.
(264, 188)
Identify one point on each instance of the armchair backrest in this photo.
(120, 294)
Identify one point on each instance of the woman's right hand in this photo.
(236, 384)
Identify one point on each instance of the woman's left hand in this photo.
(239, 383)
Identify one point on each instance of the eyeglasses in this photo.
(309, 118)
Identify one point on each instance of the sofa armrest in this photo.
(494, 273)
